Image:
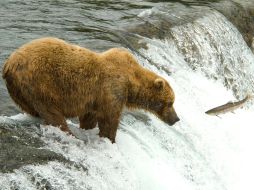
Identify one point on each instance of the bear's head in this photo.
(162, 100)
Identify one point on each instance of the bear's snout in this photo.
(172, 122)
(171, 117)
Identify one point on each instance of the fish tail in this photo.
(249, 97)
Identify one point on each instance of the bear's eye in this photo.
(157, 105)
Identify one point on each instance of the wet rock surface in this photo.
(154, 24)
(21, 145)
(241, 14)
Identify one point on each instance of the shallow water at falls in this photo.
(199, 51)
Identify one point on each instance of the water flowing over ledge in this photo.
(208, 62)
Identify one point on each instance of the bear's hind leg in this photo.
(55, 118)
(88, 121)
(18, 97)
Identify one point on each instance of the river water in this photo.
(195, 47)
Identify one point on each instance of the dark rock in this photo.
(241, 14)
(21, 145)
(156, 25)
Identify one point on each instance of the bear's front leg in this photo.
(115, 96)
(88, 121)
(108, 127)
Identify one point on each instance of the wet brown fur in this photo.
(55, 80)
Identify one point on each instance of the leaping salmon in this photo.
(228, 107)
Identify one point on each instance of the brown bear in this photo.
(54, 80)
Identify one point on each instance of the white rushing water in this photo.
(199, 152)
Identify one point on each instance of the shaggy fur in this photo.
(55, 80)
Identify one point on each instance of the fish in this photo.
(228, 107)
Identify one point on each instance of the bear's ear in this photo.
(159, 83)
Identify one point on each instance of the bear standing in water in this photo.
(54, 80)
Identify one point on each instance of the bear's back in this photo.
(48, 55)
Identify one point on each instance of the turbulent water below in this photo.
(198, 46)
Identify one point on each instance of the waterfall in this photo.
(207, 63)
